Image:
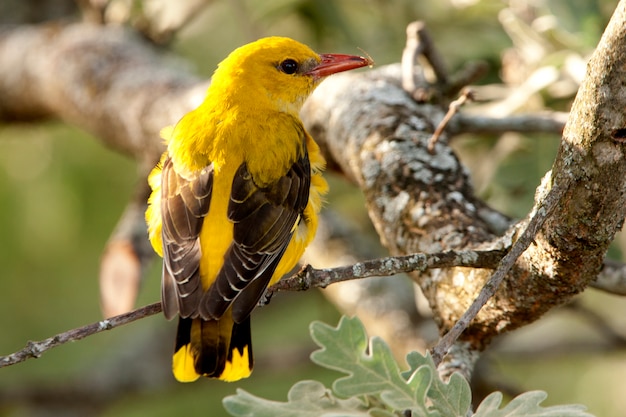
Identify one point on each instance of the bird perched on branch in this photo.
(235, 200)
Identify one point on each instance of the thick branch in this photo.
(418, 202)
(103, 79)
(424, 203)
(592, 155)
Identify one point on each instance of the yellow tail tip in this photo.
(237, 368)
(183, 365)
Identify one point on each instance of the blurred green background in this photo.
(62, 193)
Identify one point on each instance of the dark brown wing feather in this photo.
(264, 220)
(184, 203)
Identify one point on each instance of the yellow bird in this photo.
(235, 200)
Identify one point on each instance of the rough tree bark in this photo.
(421, 202)
(107, 81)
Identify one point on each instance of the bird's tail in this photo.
(213, 348)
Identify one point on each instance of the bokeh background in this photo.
(62, 193)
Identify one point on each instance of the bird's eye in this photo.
(288, 66)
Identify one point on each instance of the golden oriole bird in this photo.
(235, 200)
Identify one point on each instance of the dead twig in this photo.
(466, 95)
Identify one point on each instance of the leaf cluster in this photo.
(375, 386)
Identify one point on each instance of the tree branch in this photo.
(307, 278)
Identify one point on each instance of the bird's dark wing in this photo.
(264, 219)
(184, 203)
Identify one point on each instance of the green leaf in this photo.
(305, 399)
(371, 368)
(527, 405)
(451, 399)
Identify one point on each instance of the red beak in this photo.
(334, 63)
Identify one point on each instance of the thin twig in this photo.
(466, 95)
(36, 349)
(305, 279)
(546, 207)
(552, 122)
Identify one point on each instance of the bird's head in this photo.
(279, 69)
